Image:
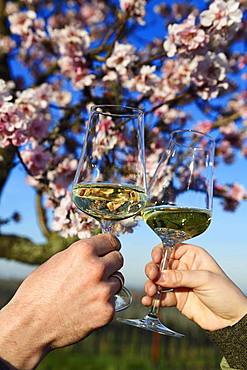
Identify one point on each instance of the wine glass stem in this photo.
(164, 265)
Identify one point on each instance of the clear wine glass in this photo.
(110, 182)
(179, 205)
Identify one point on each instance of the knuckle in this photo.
(118, 258)
(121, 259)
(157, 253)
(177, 277)
(97, 269)
(75, 246)
(151, 270)
(105, 293)
(87, 248)
(146, 285)
(109, 312)
(106, 314)
(113, 241)
(75, 250)
(149, 288)
(208, 276)
(147, 268)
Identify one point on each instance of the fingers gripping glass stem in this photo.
(124, 298)
(164, 265)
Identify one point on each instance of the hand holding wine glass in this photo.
(201, 290)
(179, 205)
(110, 180)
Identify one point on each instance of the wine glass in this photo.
(179, 205)
(110, 182)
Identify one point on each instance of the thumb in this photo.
(184, 278)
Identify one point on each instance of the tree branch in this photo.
(22, 249)
(179, 99)
(224, 121)
(7, 156)
(41, 213)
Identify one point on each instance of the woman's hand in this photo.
(202, 291)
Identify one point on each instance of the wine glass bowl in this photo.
(179, 204)
(110, 182)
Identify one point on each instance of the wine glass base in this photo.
(152, 324)
(122, 300)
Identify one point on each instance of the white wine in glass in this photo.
(179, 205)
(111, 202)
(110, 182)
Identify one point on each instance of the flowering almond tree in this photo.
(77, 53)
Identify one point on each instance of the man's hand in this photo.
(62, 301)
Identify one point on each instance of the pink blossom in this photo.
(36, 159)
(106, 137)
(237, 192)
(62, 98)
(29, 27)
(11, 7)
(242, 61)
(170, 115)
(68, 222)
(110, 76)
(219, 188)
(239, 104)
(19, 138)
(136, 9)
(210, 74)
(77, 71)
(38, 97)
(62, 175)
(222, 13)
(230, 129)
(225, 149)
(176, 76)
(13, 125)
(6, 44)
(70, 40)
(39, 127)
(5, 94)
(152, 161)
(204, 126)
(244, 151)
(122, 57)
(21, 23)
(184, 37)
(92, 12)
(145, 82)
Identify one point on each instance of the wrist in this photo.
(21, 344)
